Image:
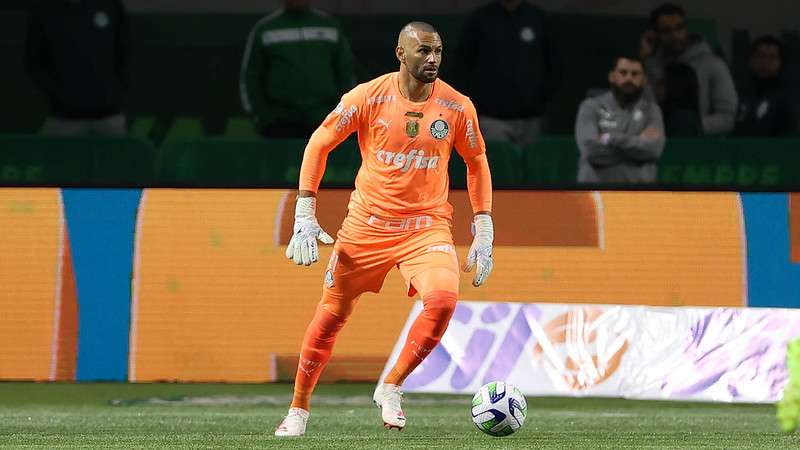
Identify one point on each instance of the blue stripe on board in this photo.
(773, 280)
(101, 225)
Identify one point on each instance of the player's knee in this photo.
(337, 306)
(440, 304)
(327, 323)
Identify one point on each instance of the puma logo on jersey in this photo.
(415, 158)
(384, 123)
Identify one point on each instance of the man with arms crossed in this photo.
(620, 134)
(407, 122)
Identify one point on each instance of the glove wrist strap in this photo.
(305, 207)
(484, 227)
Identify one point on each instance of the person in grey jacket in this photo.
(669, 41)
(620, 134)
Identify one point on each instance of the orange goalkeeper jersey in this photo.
(405, 146)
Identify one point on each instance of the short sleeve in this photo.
(347, 116)
(469, 140)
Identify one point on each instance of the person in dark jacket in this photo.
(508, 66)
(681, 105)
(77, 54)
(766, 107)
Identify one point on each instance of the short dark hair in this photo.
(666, 9)
(629, 57)
(767, 39)
(424, 27)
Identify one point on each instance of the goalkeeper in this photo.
(407, 122)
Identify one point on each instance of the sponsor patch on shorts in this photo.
(443, 248)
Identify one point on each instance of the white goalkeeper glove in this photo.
(303, 247)
(480, 253)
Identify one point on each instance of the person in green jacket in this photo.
(296, 66)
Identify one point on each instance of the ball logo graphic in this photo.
(582, 352)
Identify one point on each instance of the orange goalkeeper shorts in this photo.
(367, 247)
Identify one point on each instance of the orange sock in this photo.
(315, 353)
(424, 334)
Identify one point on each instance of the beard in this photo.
(626, 96)
(424, 77)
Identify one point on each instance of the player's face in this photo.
(424, 56)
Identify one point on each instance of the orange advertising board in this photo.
(214, 297)
(38, 308)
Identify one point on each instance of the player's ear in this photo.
(401, 54)
(611, 76)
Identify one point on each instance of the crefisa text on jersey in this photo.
(415, 158)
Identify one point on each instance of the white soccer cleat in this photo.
(388, 397)
(294, 424)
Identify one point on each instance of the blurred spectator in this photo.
(77, 53)
(507, 63)
(681, 106)
(766, 107)
(669, 41)
(296, 66)
(620, 134)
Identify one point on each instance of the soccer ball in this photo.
(499, 409)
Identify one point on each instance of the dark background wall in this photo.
(760, 17)
(187, 53)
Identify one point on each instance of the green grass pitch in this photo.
(126, 416)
